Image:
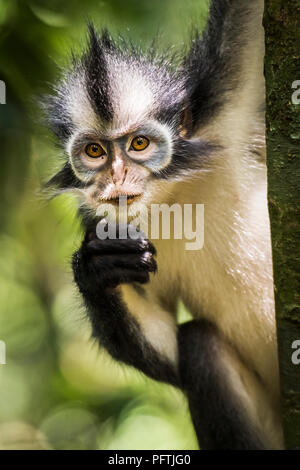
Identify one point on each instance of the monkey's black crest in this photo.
(96, 72)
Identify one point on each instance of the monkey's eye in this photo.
(139, 143)
(94, 150)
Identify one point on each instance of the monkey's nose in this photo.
(119, 177)
(118, 171)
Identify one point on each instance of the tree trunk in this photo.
(282, 73)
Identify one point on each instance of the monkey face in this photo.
(123, 121)
(116, 164)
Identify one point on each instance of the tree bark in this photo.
(282, 73)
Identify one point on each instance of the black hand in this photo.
(101, 264)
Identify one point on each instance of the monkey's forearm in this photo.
(99, 267)
(122, 337)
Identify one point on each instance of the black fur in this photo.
(99, 267)
(97, 79)
(212, 66)
(219, 419)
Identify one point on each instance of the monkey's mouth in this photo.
(129, 198)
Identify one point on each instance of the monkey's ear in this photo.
(186, 121)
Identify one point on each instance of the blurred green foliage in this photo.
(57, 390)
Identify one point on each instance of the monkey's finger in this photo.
(138, 262)
(120, 246)
(125, 276)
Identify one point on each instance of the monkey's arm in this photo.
(221, 407)
(100, 267)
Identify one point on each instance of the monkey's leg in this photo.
(219, 390)
(100, 267)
